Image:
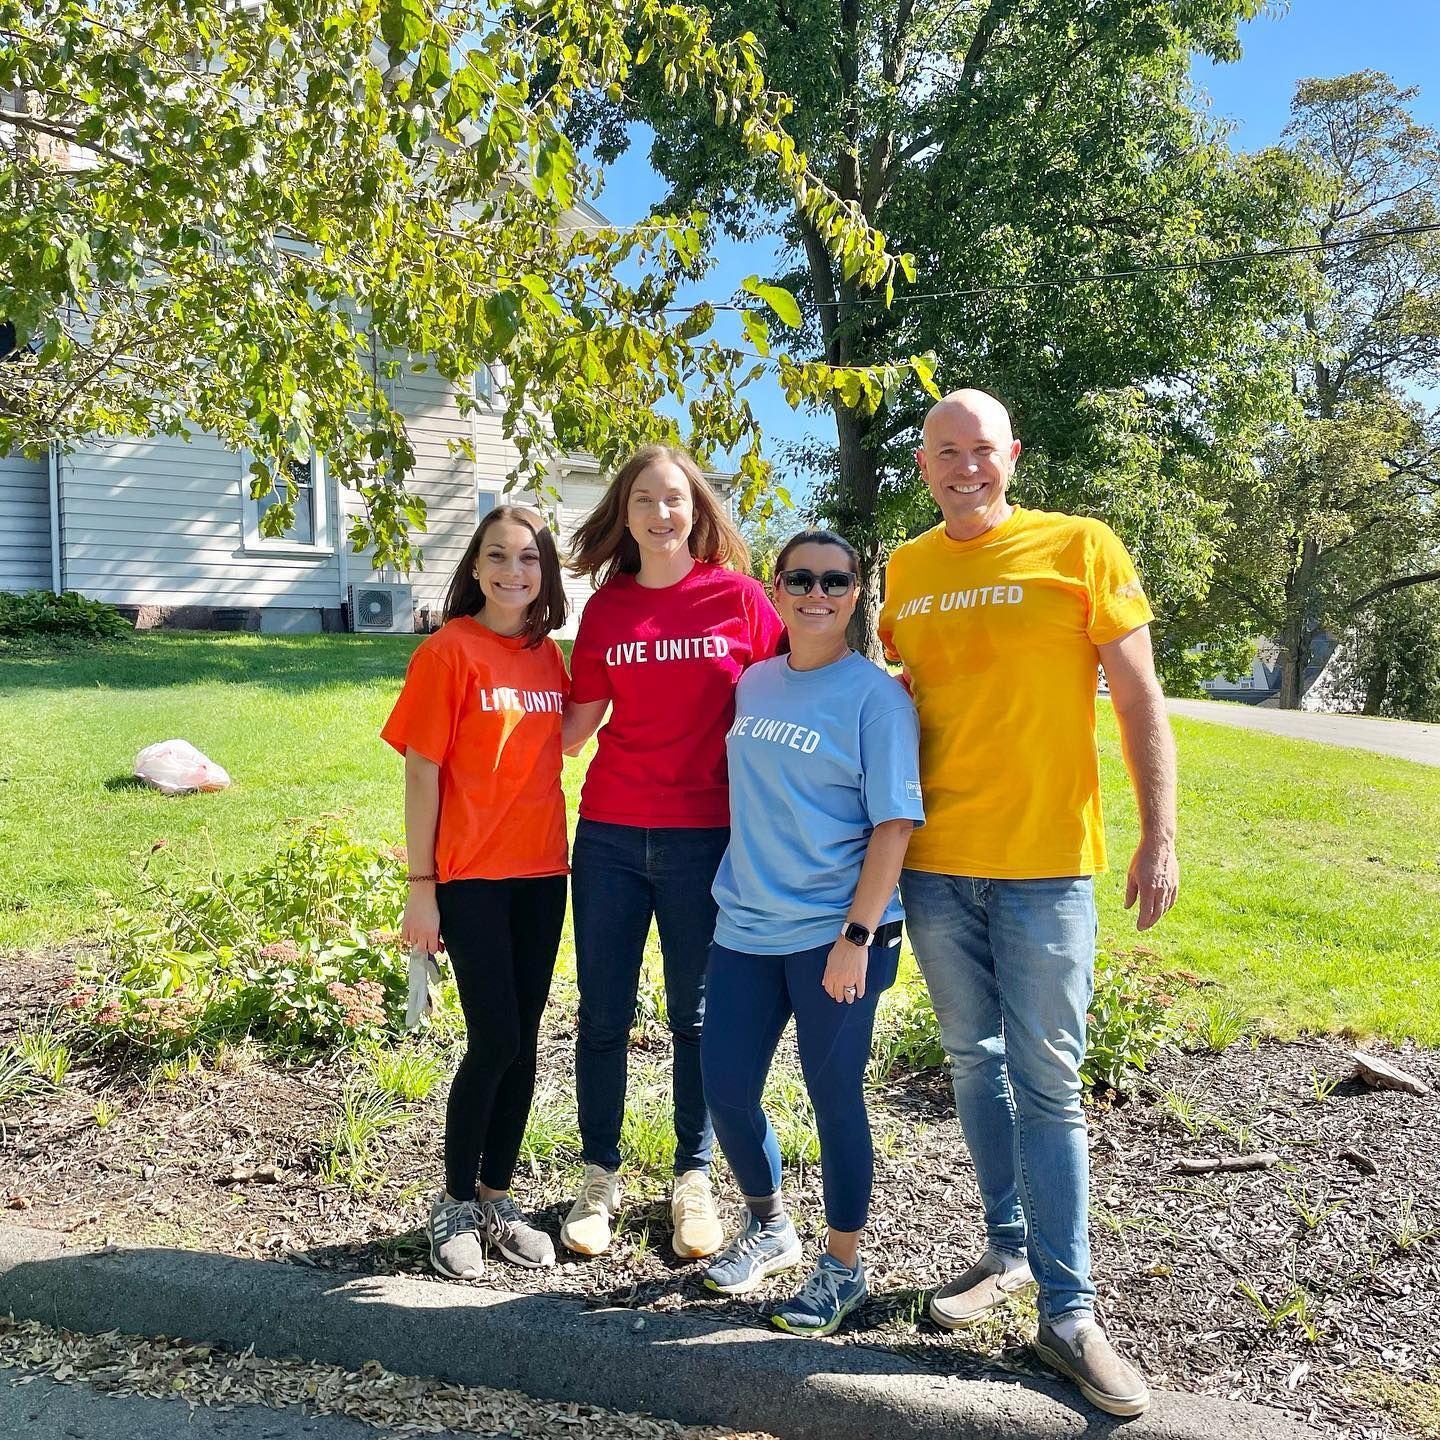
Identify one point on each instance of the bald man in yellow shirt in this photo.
(1000, 616)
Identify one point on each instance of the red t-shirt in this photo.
(668, 661)
(487, 711)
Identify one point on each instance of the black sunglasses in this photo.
(833, 583)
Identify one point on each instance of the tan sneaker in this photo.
(692, 1211)
(1105, 1380)
(984, 1287)
(586, 1230)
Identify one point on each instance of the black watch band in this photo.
(856, 933)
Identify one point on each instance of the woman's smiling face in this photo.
(816, 615)
(660, 510)
(508, 568)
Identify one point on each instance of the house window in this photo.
(483, 389)
(308, 532)
(485, 502)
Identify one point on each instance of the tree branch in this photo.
(1388, 588)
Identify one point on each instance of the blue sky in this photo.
(1313, 38)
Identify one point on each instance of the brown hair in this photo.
(603, 546)
(547, 611)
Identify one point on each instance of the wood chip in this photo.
(1385, 1076)
(1362, 1162)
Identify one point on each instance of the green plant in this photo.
(647, 1132)
(1180, 1106)
(1297, 1305)
(59, 620)
(297, 953)
(104, 1112)
(17, 1076)
(1218, 1024)
(1323, 1085)
(409, 1073)
(1407, 1232)
(1128, 1021)
(553, 1132)
(907, 1035)
(1312, 1213)
(49, 1056)
(352, 1150)
(792, 1116)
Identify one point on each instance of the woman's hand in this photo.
(844, 978)
(420, 924)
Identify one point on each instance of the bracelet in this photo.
(421, 879)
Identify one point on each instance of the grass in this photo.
(1310, 889)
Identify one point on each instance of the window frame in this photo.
(255, 543)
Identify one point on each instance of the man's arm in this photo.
(1149, 748)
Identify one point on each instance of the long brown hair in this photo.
(546, 611)
(603, 546)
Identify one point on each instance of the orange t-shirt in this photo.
(487, 711)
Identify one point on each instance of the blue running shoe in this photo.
(826, 1298)
(756, 1253)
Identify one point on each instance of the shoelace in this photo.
(692, 1202)
(597, 1191)
(743, 1245)
(505, 1218)
(457, 1219)
(821, 1290)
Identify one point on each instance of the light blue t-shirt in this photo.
(818, 759)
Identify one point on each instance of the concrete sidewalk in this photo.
(1404, 739)
(679, 1367)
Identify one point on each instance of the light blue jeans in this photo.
(1010, 965)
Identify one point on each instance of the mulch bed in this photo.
(1338, 1246)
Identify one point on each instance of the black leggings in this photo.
(501, 936)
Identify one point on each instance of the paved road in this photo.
(43, 1410)
(1401, 738)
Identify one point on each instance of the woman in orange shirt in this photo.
(478, 722)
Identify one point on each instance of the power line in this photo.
(1168, 267)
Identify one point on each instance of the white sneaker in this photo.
(697, 1229)
(586, 1230)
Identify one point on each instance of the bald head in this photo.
(967, 456)
(975, 407)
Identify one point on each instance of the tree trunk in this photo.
(1297, 635)
(1377, 686)
(859, 484)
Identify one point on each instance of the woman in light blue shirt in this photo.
(824, 792)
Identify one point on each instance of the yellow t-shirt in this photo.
(998, 637)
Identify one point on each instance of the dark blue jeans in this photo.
(752, 998)
(622, 877)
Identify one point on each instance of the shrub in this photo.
(40, 615)
(1129, 1021)
(298, 953)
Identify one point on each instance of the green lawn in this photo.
(1311, 885)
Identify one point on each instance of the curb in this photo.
(679, 1367)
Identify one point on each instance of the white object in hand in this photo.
(177, 767)
(424, 977)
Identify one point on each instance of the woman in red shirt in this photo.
(673, 624)
(478, 722)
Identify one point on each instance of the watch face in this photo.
(857, 934)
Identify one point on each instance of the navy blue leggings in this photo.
(749, 999)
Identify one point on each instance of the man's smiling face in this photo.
(967, 459)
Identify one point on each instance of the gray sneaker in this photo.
(756, 1253)
(514, 1236)
(1105, 1380)
(984, 1287)
(456, 1248)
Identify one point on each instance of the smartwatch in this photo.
(856, 934)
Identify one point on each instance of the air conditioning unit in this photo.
(380, 609)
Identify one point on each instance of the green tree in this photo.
(234, 217)
(1390, 659)
(1013, 148)
(1339, 510)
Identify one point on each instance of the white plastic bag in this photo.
(424, 981)
(177, 767)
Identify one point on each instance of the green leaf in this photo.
(503, 312)
(780, 300)
(403, 24)
(756, 331)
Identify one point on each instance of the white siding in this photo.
(161, 522)
(24, 523)
(578, 497)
